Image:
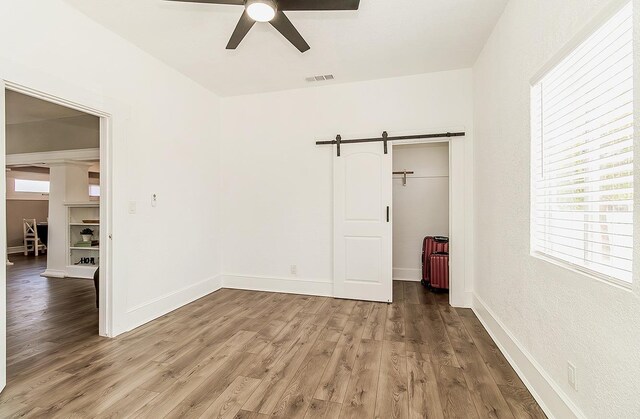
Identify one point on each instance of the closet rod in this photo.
(385, 138)
(405, 177)
(424, 177)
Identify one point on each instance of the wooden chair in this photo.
(30, 236)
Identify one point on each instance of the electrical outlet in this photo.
(571, 376)
(132, 207)
(294, 270)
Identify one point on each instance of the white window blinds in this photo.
(582, 159)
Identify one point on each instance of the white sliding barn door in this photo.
(362, 234)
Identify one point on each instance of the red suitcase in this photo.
(439, 271)
(431, 245)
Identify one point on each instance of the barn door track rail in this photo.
(385, 139)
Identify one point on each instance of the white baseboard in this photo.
(284, 285)
(150, 310)
(54, 273)
(15, 249)
(551, 398)
(83, 272)
(70, 272)
(406, 274)
(465, 300)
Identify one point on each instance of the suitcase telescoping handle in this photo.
(387, 213)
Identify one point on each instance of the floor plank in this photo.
(500, 369)
(321, 409)
(521, 402)
(455, 398)
(252, 355)
(394, 325)
(392, 398)
(333, 384)
(485, 394)
(436, 335)
(298, 396)
(231, 400)
(374, 328)
(424, 398)
(360, 399)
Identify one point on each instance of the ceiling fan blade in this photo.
(236, 2)
(242, 28)
(286, 28)
(318, 4)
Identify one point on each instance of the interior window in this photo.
(34, 186)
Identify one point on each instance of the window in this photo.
(582, 155)
(94, 190)
(33, 186)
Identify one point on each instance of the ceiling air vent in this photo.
(320, 78)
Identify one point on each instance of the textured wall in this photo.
(165, 141)
(557, 315)
(277, 184)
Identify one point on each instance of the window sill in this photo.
(618, 283)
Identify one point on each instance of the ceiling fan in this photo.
(272, 11)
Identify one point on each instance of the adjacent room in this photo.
(53, 228)
(306, 209)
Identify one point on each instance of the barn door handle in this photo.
(387, 213)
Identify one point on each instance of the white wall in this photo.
(277, 184)
(165, 141)
(21, 205)
(72, 133)
(10, 183)
(421, 207)
(542, 314)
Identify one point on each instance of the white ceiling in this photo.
(21, 109)
(385, 38)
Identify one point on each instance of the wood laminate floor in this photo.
(253, 355)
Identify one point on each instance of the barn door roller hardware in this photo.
(385, 139)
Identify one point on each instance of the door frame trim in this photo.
(457, 247)
(56, 91)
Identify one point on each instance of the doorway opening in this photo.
(363, 217)
(421, 196)
(54, 227)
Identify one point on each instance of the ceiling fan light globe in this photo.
(261, 10)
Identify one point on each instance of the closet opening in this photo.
(421, 220)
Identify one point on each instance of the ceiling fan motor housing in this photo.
(268, 11)
(261, 10)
